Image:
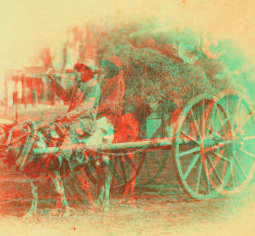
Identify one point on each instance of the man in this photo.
(80, 119)
(110, 106)
(112, 89)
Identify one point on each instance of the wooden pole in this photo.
(151, 143)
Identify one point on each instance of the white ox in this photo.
(54, 166)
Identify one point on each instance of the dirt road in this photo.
(160, 209)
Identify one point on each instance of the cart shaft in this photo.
(152, 143)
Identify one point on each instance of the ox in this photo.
(17, 144)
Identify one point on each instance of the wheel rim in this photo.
(232, 165)
(188, 147)
(124, 168)
(154, 162)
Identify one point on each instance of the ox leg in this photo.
(129, 189)
(61, 202)
(126, 191)
(132, 190)
(107, 187)
(104, 183)
(82, 177)
(101, 193)
(33, 209)
(132, 193)
(100, 185)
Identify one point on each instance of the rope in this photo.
(27, 147)
(29, 133)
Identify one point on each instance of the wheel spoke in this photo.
(225, 176)
(222, 157)
(237, 111)
(228, 115)
(189, 137)
(219, 145)
(239, 165)
(247, 153)
(193, 162)
(203, 119)
(232, 170)
(131, 163)
(147, 166)
(214, 133)
(123, 169)
(156, 161)
(199, 177)
(249, 138)
(195, 122)
(222, 125)
(213, 117)
(225, 181)
(213, 164)
(242, 125)
(223, 173)
(189, 144)
(213, 168)
(207, 178)
(196, 149)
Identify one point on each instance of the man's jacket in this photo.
(112, 95)
(83, 97)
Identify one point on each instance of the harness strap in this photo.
(9, 138)
(27, 147)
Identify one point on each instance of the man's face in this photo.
(84, 75)
(109, 72)
(109, 69)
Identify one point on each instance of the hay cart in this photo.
(212, 143)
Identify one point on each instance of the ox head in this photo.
(5, 129)
(3, 139)
(6, 152)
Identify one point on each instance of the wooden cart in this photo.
(212, 143)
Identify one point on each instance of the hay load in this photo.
(169, 67)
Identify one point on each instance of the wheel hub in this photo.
(209, 143)
(240, 143)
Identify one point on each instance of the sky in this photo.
(28, 25)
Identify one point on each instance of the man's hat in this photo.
(112, 61)
(86, 64)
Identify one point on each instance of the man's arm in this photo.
(63, 94)
(90, 99)
(113, 103)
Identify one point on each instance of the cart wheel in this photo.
(154, 162)
(93, 174)
(188, 146)
(125, 168)
(94, 170)
(230, 152)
